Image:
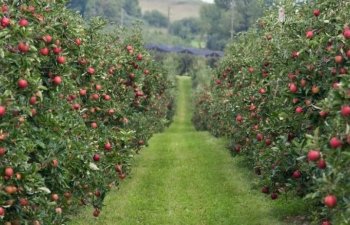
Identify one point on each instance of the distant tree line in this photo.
(110, 9)
(216, 24)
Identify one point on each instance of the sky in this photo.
(211, 1)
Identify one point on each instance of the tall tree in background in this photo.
(79, 5)
(132, 8)
(110, 9)
(227, 17)
(156, 18)
(224, 4)
(215, 24)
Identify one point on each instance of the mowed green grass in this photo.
(179, 9)
(187, 177)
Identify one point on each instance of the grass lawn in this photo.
(188, 177)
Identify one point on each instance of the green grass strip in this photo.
(188, 177)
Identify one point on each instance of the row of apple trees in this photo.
(76, 103)
(282, 97)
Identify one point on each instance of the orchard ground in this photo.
(188, 177)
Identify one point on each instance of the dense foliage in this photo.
(75, 106)
(281, 96)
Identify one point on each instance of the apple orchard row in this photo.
(281, 95)
(77, 101)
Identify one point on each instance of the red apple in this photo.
(94, 125)
(23, 47)
(2, 151)
(303, 82)
(4, 8)
(95, 96)
(296, 174)
(111, 112)
(2, 111)
(323, 114)
(132, 76)
(274, 196)
(295, 54)
(122, 176)
(338, 59)
(22, 84)
(262, 91)
(96, 157)
(54, 163)
(61, 59)
(335, 85)
(259, 137)
(54, 197)
(58, 210)
(299, 110)
(238, 148)
(76, 106)
(313, 155)
(47, 38)
(44, 51)
(9, 171)
(348, 53)
(78, 41)
(32, 100)
(23, 202)
(139, 57)
(317, 12)
(345, 110)
(315, 89)
(309, 34)
(293, 87)
(239, 119)
(107, 97)
(57, 80)
(321, 164)
(57, 50)
(118, 168)
(330, 201)
(91, 70)
(108, 146)
(2, 212)
(265, 190)
(326, 222)
(23, 23)
(98, 87)
(82, 92)
(5, 22)
(346, 33)
(96, 212)
(335, 142)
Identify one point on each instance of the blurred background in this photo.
(191, 23)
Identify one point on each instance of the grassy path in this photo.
(186, 177)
